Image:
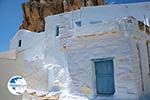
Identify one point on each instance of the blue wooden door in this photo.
(105, 77)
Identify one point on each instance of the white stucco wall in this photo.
(32, 44)
(140, 39)
(33, 47)
(112, 12)
(101, 40)
(95, 16)
(111, 41)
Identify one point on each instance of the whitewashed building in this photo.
(93, 53)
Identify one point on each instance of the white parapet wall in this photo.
(100, 14)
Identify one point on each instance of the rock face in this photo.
(36, 10)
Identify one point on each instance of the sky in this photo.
(11, 16)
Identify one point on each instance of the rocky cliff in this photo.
(36, 10)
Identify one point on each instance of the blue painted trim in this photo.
(102, 59)
(108, 2)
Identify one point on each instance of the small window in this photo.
(78, 23)
(57, 30)
(19, 45)
(95, 22)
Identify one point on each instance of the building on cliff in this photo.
(88, 54)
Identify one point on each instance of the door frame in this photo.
(103, 59)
